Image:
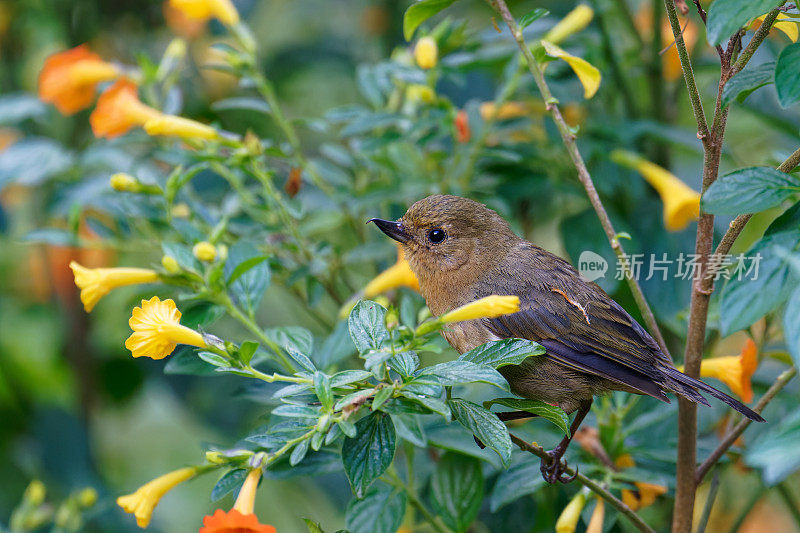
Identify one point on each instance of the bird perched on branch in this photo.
(462, 251)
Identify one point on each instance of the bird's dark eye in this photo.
(436, 236)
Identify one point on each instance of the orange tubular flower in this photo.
(240, 519)
(119, 109)
(735, 371)
(69, 79)
(644, 496)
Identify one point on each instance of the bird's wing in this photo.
(577, 322)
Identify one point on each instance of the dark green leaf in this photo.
(299, 452)
(185, 362)
(367, 326)
(370, 452)
(432, 404)
(457, 490)
(458, 372)
(419, 12)
(749, 190)
(349, 376)
(404, 363)
(532, 16)
(740, 86)
(776, 452)
(791, 326)
(518, 481)
(503, 352)
(725, 17)
(410, 428)
(380, 511)
(383, 394)
(483, 424)
(787, 75)
(232, 479)
(554, 414)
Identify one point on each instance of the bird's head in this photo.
(449, 235)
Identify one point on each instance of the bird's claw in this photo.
(553, 469)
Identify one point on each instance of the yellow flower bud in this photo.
(87, 497)
(215, 457)
(488, 307)
(205, 251)
(124, 182)
(180, 210)
(170, 264)
(35, 493)
(180, 127)
(416, 92)
(426, 53)
(575, 21)
(568, 520)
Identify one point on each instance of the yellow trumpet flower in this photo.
(95, 283)
(735, 371)
(488, 307)
(170, 264)
(568, 519)
(180, 127)
(202, 10)
(157, 330)
(123, 182)
(783, 23)
(142, 502)
(598, 515)
(587, 73)
(426, 53)
(397, 275)
(575, 21)
(69, 79)
(681, 203)
(644, 496)
(119, 109)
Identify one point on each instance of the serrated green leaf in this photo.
(457, 490)
(404, 363)
(367, 455)
(483, 424)
(419, 12)
(232, 479)
(367, 325)
(459, 372)
(725, 17)
(503, 352)
(520, 480)
(749, 190)
(554, 414)
(787, 75)
(380, 511)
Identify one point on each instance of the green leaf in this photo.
(532, 16)
(367, 326)
(292, 338)
(380, 511)
(32, 160)
(232, 479)
(458, 372)
(245, 103)
(214, 359)
(749, 190)
(503, 352)
(299, 452)
(312, 526)
(182, 254)
(554, 414)
(743, 301)
(419, 12)
(244, 266)
(296, 411)
(725, 17)
(776, 452)
(246, 351)
(14, 108)
(370, 452)
(740, 86)
(457, 490)
(345, 377)
(246, 287)
(787, 75)
(791, 326)
(483, 424)
(409, 427)
(323, 390)
(404, 363)
(432, 404)
(383, 394)
(520, 480)
(185, 362)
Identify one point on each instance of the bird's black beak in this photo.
(392, 229)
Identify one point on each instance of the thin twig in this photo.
(712, 496)
(785, 377)
(588, 483)
(583, 173)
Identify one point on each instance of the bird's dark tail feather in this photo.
(686, 386)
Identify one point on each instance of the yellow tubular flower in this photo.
(783, 23)
(734, 370)
(95, 283)
(426, 53)
(204, 251)
(575, 21)
(587, 73)
(142, 502)
(598, 515)
(180, 127)
(397, 275)
(568, 520)
(223, 10)
(124, 182)
(681, 203)
(247, 494)
(488, 307)
(644, 496)
(157, 330)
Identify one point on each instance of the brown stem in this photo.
(785, 377)
(588, 483)
(583, 173)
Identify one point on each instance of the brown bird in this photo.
(461, 251)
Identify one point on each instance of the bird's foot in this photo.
(554, 469)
